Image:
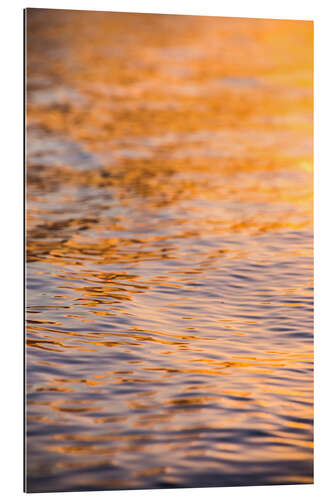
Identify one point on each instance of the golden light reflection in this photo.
(169, 251)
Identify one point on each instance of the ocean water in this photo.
(169, 236)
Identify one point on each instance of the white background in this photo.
(11, 237)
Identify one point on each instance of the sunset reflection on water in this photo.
(169, 242)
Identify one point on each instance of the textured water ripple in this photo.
(169, 251)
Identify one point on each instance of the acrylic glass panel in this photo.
(169, 251)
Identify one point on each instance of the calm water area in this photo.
(169, 235)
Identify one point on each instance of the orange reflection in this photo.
(169, 251)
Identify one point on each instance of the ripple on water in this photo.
(169, 252)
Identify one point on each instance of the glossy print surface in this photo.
(169, 288)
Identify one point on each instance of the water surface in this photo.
(169, 251)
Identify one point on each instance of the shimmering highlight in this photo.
(169, 251)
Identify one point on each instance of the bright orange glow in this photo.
(169, 251)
